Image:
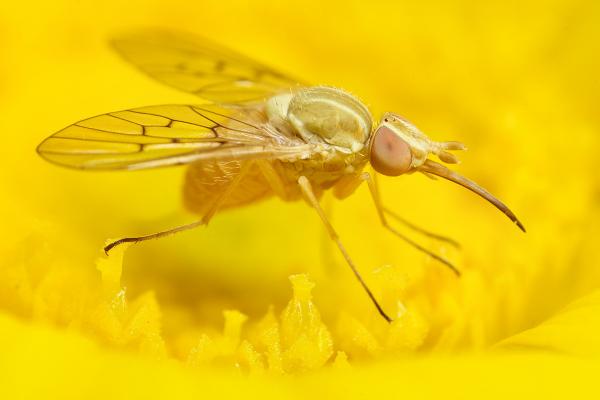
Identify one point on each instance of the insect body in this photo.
(262, 135)
(332, 125)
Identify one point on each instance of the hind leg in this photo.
(204, 221)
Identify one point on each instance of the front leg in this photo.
(381, 211)
(348, 185)
(408, 224)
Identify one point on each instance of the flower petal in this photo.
(575, 330)
(41, 362)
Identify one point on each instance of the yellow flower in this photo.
(212, 312)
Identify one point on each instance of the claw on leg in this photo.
(156, 235)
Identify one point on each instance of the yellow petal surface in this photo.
(573, 331)
(260, 303)
(46, 363)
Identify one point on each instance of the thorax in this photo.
(334, 121)
(323, 171)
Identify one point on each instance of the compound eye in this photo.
(390, 155)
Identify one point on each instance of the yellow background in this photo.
(516, 81)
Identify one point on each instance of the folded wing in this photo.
(165, 135)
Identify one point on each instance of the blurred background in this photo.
(517, 81)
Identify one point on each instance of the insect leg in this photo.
(409, 224)
(306, 189)
(273, 178)
(381, 211)
(205, 218)
(278, 186)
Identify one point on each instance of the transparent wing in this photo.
(165, 135)
(197, 66)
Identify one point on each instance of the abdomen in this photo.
(205, 182)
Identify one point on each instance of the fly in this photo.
(262, 134)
